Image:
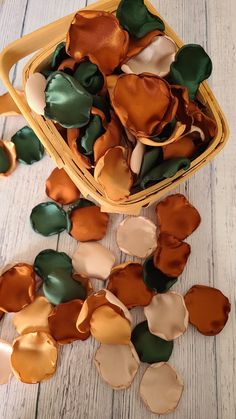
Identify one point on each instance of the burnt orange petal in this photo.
(109, 327)
(208, 309)
(183, 147)
(98, 35)
(72, 135)
(136, 45)
(177, 217)
(126, 283)
(135, 101)
(171, 255)
(113, 173)
(88, 223)
(7, 105)
(111, 82)
(111, 138)
(10, 151)
(62, 322)
(17, 287)
(67, 63)
(201, 120)
(60, 187)
(182, 114)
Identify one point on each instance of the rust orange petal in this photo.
(207, 124)
(177, 216)
(72, 135)
(183, 147)
(97, 34)
(7, 105)
(111, 138)
(114, 175)
(60, 187)
(67, 63)
(149, 116)
(17, 287)
(171, 255)
(208, 309)
(182, 114)
(62, 322)
(136, 45)
(111, 82)
(126, 283)
(10, 150)
(88, 223)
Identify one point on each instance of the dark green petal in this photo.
(166, 132)
(93, 131)
(89, 76)
(151, 158)
(49, 260)
(135, 17)
(46, 73)
(101, 102)
(28, 147)
(4, 161)
(192, 65)
(165, 170)
(150, 348)
(49, 218)
(59, 55)
(67, 102)
(81, 203)
(60, 287)
(155, 279)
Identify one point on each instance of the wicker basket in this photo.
(54, 143)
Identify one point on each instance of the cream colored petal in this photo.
(156, 58)
(167, 315)
(94, 260)
(136, 236)
(199, 130)
(120, 374)
(114, 300)
(34, 317)
(137, 157)
(5, 365)
(161, 388)
(34, 91)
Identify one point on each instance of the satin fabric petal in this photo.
(7, 105)
(34, 92)
(34, 317)
(155, 279)
(165, 170)
(61, 188)
(72, 135)
(5, 366)
(60, 287)
(7, 158)
(136, 45)
(48, 260)
(183, 147)
(67, 64)
(28, 146)
(48, 219)
(111, 138)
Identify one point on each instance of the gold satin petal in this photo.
(111, 138)
(88, 223)
(34, 317)
(10, 150)
(167, 315)
(176, 216)
(67, 63)
(161, 388)
(126, 283)
(149, 116)
(5, 365)
(120, 374)
(183, 147)
(171, 255)
(176, 135)
(111, 82)
(62, 322)
(61, 188)
(34, 357)
(98, 35)
(136, 45)
(7, 105)
(72, 135)
(113, 173)
(109, 327)
(17, 287)
(85, 281)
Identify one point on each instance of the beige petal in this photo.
(156, 58)
(136, 236)
(5, 365)
(111, 298)
(107, 326)
(7, 105)
(137, 157)
(167, 315)
(161, 388)
(93, 260)
(120, 374)
(34, 317)
(34, 91)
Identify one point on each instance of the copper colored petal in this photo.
(62, 322)
(111, 82)
(183, 147)
(5, 365)
(109, 327)
(126, 283)
(98, 35)
(34, 357)
(136, 45)
(67, 63)
(10, 151)
(17, 287)
(145, 116)
(208, 309)
(72, 135)
(182, 114)
(171, 255)
(61, 188)
(111, 138)
(7, 105)
(176, 216)
(88, 223)
(34, 317)
(113, 173)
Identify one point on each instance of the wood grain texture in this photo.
(207, 364)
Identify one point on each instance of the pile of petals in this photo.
(125, 98)
(54, 303)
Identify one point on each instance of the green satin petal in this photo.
(101, 102)
(150, 348)
(49, 260)
(60, 287)
(67, 102)
(81, 203)
(155, 279)
(166, 132)
(49, 218)
(165, 170)
(134, 16)
(151, 158)
(93, 131)
(192, 65)
(4, 161)
(89, 76)
(59, 55)
(46, 73)
(28, 147)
